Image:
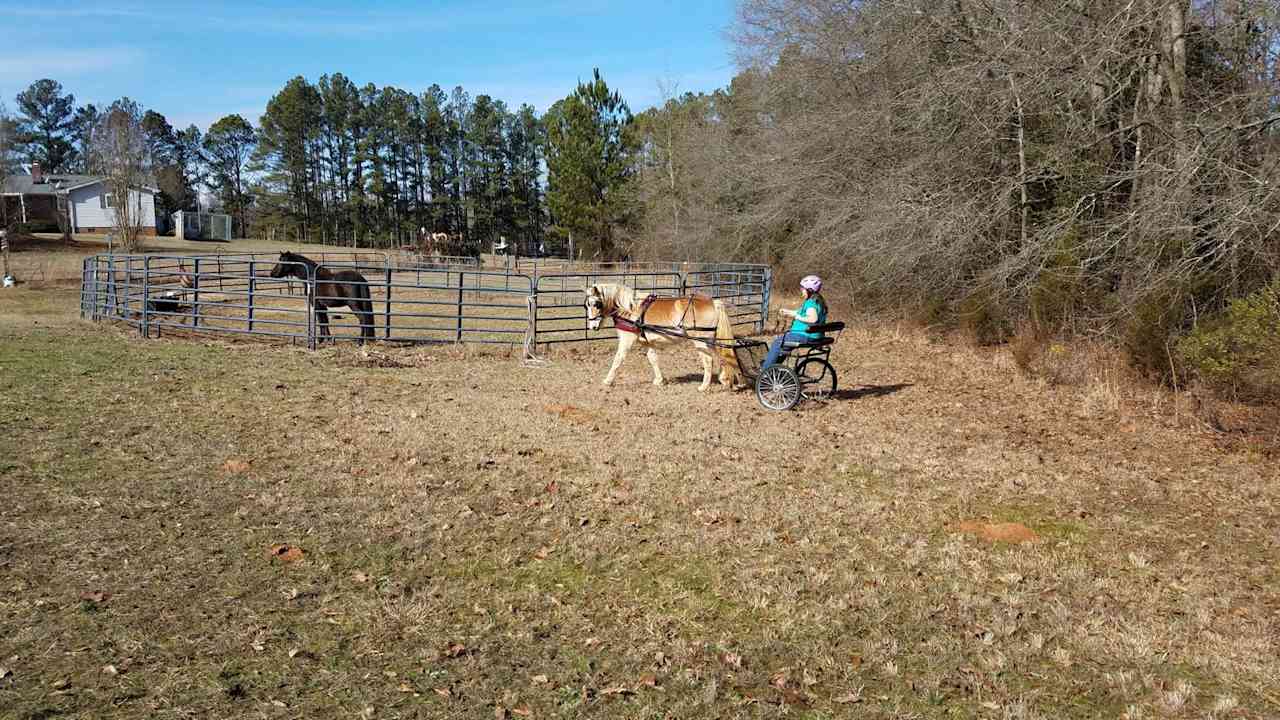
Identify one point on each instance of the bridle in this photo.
(621, 321)
(597, 304)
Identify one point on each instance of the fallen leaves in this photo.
(95, 596)
(454, 650)
(286, 553)
(542, 553)
(540, 679)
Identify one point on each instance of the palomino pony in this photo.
(664, 322)
(331, 289)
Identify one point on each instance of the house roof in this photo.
(53, 184)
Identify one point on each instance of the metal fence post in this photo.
(387, 315)
(253, 289)
(146, 297)
(195, 294)
(84, 284)
(531, 341)
(128, 288)
(110, 302)
(764, 302)
(461, 285)
(586, 330)
(309, 290)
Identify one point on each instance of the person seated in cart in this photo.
(812, 312)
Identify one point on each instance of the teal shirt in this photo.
(802, 327)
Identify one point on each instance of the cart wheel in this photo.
(818, 379)
(778, 388)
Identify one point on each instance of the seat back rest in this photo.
(827, 327)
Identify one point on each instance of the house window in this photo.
(104, 199)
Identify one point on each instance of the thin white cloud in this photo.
(60, 63)
(363, 22)
(65, 12)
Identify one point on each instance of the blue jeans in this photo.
(775, 348)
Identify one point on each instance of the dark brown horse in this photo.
(330, 289)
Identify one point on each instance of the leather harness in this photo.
(638, 326)
(633, 326)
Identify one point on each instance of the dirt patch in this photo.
(1009, 532)
(285, 553)
(573, 414)
(236, 466)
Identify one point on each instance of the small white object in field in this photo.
(9, 281)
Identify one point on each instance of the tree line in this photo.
(1053, 167)
(362, 166)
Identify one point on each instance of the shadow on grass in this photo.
(866, 391)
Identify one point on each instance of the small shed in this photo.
(188, 225)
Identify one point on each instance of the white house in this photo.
(89, 205)
(84, 197)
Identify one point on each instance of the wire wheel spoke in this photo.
(818, 379)
(778, 388)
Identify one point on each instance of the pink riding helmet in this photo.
(811, 282)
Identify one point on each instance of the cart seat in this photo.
(815, 343)
(821, 342)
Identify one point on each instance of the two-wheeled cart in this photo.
(804, 373)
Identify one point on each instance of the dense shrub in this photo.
(1238, 352)
(1148, 332)
(984, 319)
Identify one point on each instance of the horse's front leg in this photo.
(322, 322)
(625, 341)
(704, 354)
(652, 354)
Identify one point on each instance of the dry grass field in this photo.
(197, 528)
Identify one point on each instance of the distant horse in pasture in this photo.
(654, 322)
(330, 289)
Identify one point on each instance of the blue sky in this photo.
(197, 62)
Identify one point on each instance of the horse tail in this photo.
(730, 371)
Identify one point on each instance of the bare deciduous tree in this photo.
(1074, 163)
(7, 161)
(119, 153)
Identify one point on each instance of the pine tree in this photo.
(286, 151)
(589, 159)
(45, 123)
(228, 146)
